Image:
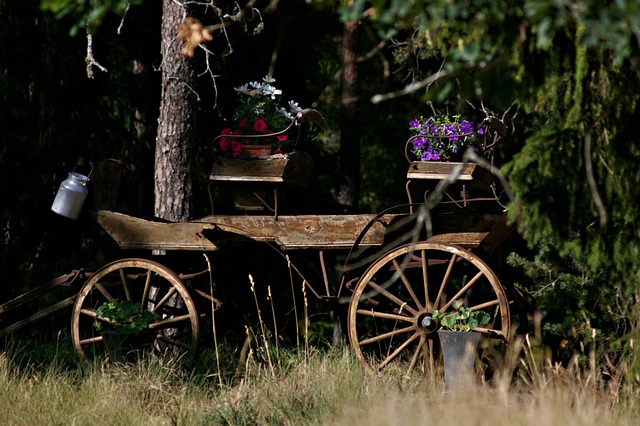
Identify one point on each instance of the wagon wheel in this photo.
(390, 312)
(157, 289)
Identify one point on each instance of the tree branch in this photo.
(90, 60)
(591, 180)
(410, 88)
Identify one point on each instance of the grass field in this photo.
(40, 384)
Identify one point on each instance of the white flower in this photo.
(283, 111)
(293, 105)
(244, 88)
(269, 90)
(269, 79)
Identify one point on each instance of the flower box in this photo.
(293, 168)
(434, 170)
(252, 179)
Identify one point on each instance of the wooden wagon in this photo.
(396, 267)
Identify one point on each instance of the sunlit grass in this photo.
(316, 386)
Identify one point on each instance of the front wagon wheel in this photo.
(390, 324)
(156, 289)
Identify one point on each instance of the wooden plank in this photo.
(294, 168)
(288, 232)
(434, 170)
(209, 233)
(43, 313)
(469, 230)
(462, 239)
(248, 170)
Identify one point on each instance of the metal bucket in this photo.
(71, 196)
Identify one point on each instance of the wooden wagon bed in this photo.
(289, 232)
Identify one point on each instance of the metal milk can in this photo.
(71, 196)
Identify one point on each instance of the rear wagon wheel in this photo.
(157, 289)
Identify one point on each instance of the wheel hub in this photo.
(427, 324)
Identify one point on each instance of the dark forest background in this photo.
(563, 76)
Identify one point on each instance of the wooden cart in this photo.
(396, 267)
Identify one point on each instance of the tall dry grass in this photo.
(317, 387)
(268, 384)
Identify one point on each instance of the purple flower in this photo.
(430, 155)
(441, 136)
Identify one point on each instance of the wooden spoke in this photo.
(403, 305)
(395, 353)
(125, 284)
(425, 278)
(384, 315)
(445, 280)
(91, 340)
(90, 312)
(463, 290)
(104, 292)
(169, 321)
(164, 300)
(416, 355)
(407, 284)
(172, 342)
(386, 335)
(145, 292)
(490, 331)
(484, 305)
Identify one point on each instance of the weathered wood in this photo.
(209, 233)
(288, 232)
(467, 230)
(33, 294)
(294, 169)
(434, 170)
(43, 313)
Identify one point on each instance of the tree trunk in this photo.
(176, 124)
(348, 192)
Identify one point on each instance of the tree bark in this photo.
(348, 192)
(176, 124)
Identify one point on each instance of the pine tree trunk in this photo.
(348, 192)
(176, 125)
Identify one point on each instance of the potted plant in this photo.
(459, 343)
(443, 138)
(435, 152)
(259, 120)
(124, 327)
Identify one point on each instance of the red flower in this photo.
(236, 148)
(242, 122)
(260, 125)
(225, 131)
(283, 138)
(224, 144)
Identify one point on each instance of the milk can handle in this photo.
(90, 171)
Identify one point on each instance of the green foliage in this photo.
(580, 310)
(463, 319)
(125, 317)
(85, 13)
(472, 31)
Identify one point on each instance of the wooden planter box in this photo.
(255, 179)
(294, 169)
(434, 170)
